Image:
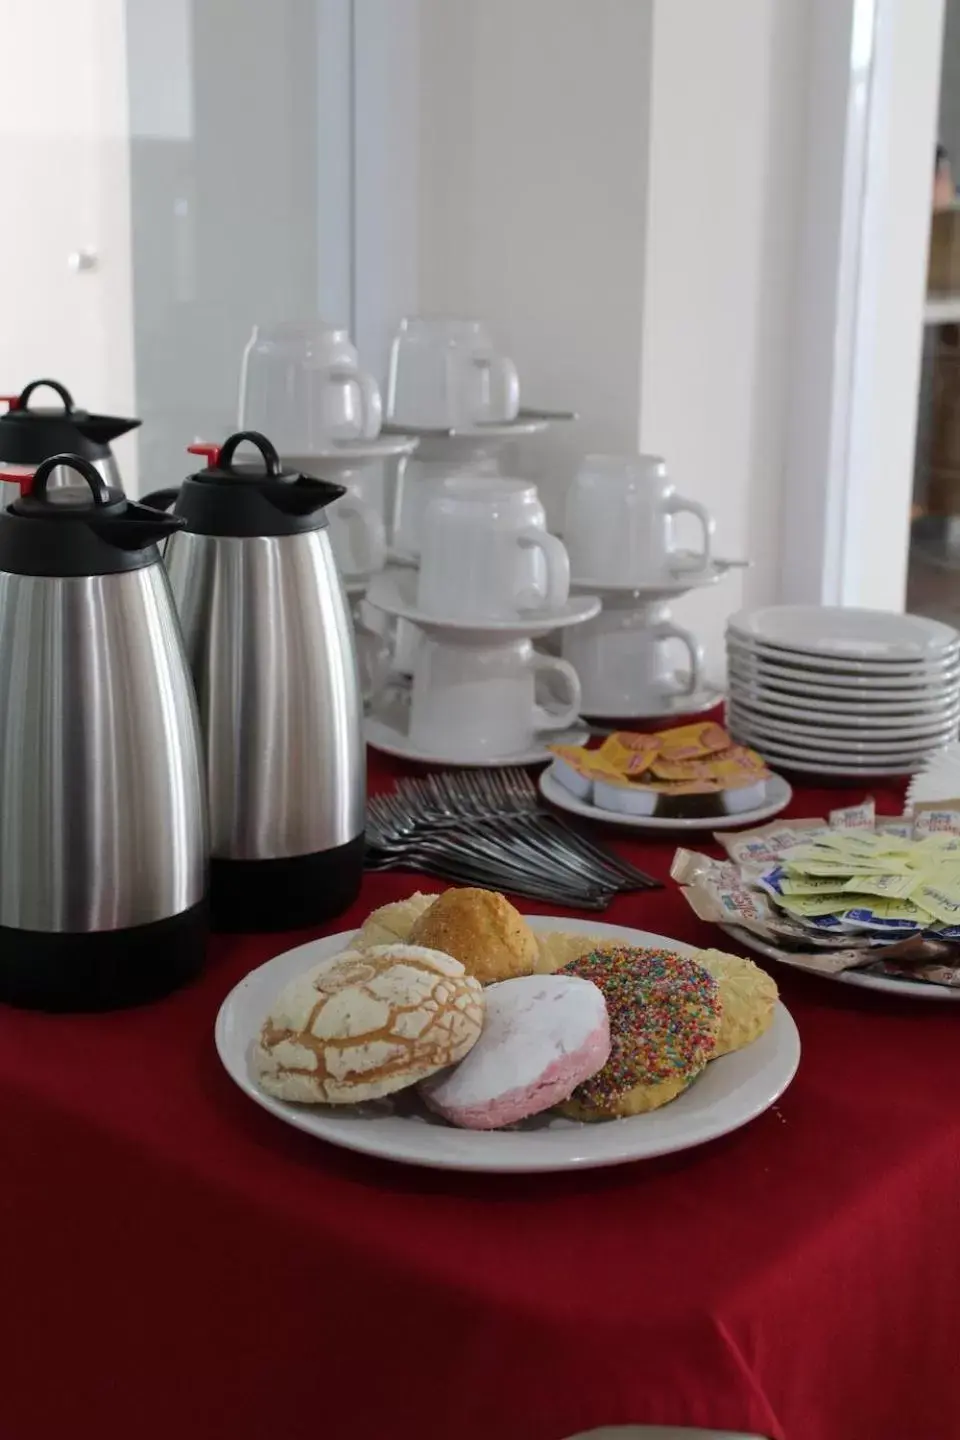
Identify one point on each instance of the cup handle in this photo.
(371, 405)
(371, 409)
(568, 713)
(367, 537)
(504, 388)
(666, 630)
(677, 505)
(558, 565)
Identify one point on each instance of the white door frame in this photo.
(873, 87)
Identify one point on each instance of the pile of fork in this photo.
(488, 828)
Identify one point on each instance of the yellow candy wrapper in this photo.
(628, 754)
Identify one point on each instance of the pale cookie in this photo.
(557, 948)
(363, 1025)
(392, 923)
(748, 996)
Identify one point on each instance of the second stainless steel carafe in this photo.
(270, 642)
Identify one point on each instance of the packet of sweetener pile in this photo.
(855, 817)
(936, 822)
(767, 842)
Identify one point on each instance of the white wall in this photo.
(614, 186)
(533, 163)
(728, 116)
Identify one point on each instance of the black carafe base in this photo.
(102, 969)
(248, 896)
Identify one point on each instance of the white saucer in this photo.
(824, 727)
(845, 633)
(919, 671)
(842, 687)
(663, 587)
(833, 752)
(729, 1093)
(806, 762)
(862, 711)
(383, 732)
(779, 795)
(694, 704)
(395, 591)
(346, 455)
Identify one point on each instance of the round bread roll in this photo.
(748, 996)
(392, 923)
(664, 1020)
(363, 1025)
(482, 930)
(542, 1036)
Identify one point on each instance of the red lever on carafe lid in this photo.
(205, 447)
(23, 478)
(12, 402)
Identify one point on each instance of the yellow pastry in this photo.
(482, 930)
(748, 996)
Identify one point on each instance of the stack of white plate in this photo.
(827, 691)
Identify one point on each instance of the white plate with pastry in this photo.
(726, 1094)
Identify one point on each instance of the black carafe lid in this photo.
(246, 499)
(29, 435)
(86, 529)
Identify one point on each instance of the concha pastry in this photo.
(363, 1025)
(392, 923)
(748, 996)
(664, 1020)
(482, 930)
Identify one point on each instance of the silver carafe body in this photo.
(103, 835)
(270, 642)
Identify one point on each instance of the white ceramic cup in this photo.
(422, 481)
(624, 663)
(618, 526)
(302, 385)
(474, 701)
(445, 374)
(486, 554)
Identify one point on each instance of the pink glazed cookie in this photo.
(542, 1036)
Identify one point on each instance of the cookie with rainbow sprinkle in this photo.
(665, 1015)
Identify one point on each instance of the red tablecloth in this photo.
(176, 1265)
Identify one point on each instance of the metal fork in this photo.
(510, 792)
(442, 805)
(487, 841)
(394, 843)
